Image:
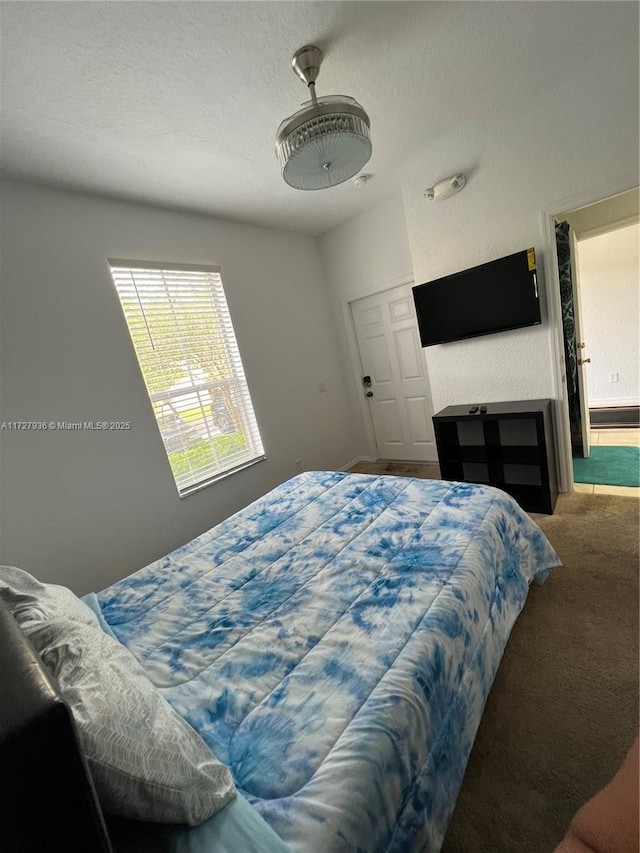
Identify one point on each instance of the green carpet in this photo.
(610, 466)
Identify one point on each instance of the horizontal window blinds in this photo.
(181, 330)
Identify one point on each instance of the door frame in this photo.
(578, 319)
(562, 426)
(407, 279)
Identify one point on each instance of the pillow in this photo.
(33, 603)
(147, 763)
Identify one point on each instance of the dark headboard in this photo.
(47, 797)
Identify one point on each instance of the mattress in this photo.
(335, 642)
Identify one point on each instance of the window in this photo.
(182, 334)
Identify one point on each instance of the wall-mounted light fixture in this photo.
(445, 189)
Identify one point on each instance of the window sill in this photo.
(198, 487)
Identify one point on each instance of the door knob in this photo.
(584, 361)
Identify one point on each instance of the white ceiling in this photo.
(177, 103)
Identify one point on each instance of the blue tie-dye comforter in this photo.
(335, 642)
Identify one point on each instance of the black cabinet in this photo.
(510, 446)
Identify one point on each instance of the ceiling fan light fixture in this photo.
(327, 141)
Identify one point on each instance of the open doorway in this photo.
(597, 250)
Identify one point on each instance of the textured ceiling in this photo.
(177, 103)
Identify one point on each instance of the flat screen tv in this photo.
(492, 297)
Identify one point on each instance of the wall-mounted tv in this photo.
(492, 297)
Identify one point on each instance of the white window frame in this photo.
(203, 286)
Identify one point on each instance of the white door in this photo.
(585, 421)
(393, 363)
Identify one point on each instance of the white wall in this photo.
(609, 278)
(87, 508)
(362, 256)
(583, 139)
(368, 251)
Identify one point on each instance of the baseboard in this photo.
(614, 416)
(614, 403)
(354, 461)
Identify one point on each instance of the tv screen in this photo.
(492, 297)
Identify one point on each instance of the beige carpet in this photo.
(563, 710)
(421, 470)
(564, 706)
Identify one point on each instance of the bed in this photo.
(334, 644)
